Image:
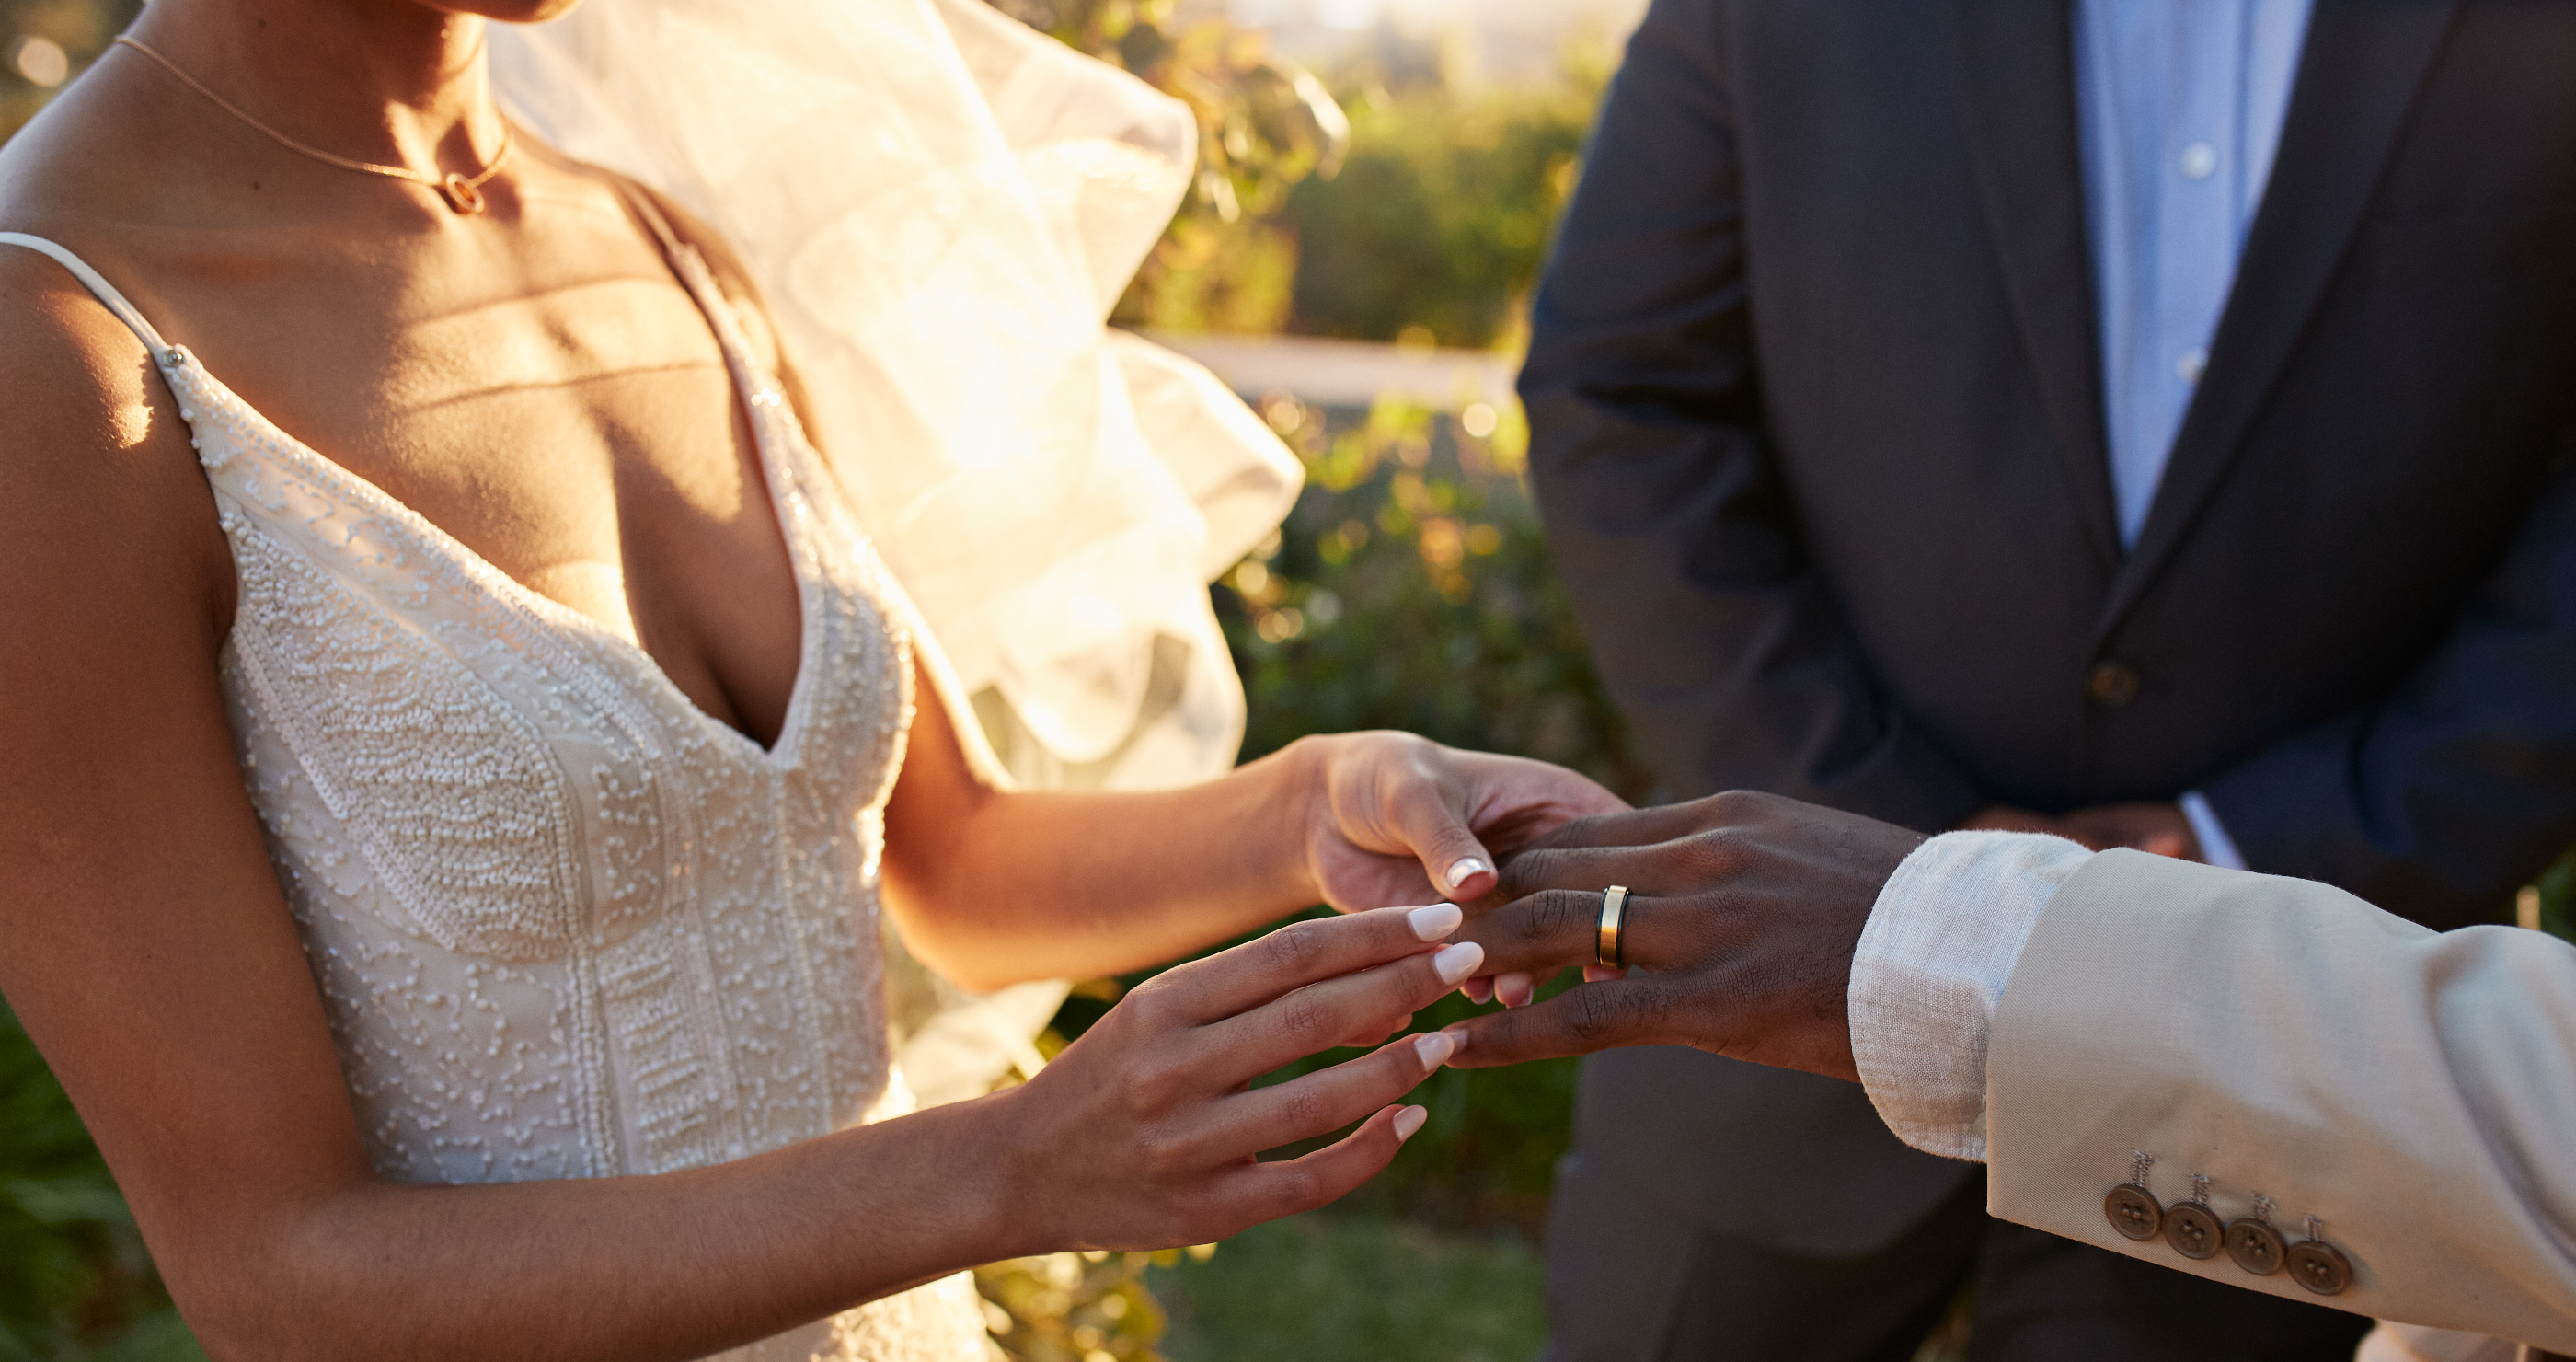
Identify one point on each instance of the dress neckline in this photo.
(752, 401)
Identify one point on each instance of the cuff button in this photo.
(2320, 1267)
(2133, 1211)
(2255, 1246)
(2192, 1230)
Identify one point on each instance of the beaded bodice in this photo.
(565, 923)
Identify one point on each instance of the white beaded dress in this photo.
(565, 923)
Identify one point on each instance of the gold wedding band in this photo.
(1614, 903)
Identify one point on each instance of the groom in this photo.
(2112, 415)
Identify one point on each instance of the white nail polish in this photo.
(1434, 1048)
(1409, 1120)
(1453, 963)
(1434, 922)
(1470, 866)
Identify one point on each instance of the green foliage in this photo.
(75, 1282)
(1439, 222)
(1357, 1290)
(75, 31)
(1264, 124)
(1411, 589)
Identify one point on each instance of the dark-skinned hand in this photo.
(1742, 916)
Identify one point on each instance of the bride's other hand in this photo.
(1143, 1133)
(1395, 818)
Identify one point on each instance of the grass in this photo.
(1356, 1289)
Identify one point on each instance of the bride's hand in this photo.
(1143, 1133)
(1393, 818)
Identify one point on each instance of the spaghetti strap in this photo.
(97, 284)
(653, 217)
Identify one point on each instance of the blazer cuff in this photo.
(1942, 938)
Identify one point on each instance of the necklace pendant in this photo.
(461, 194)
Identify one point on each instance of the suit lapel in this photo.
(2016, 60)
(2357, 82)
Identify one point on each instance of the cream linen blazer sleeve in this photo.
(2414, 1093)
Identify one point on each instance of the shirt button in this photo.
(2320, 1267)
(2192, 365)
(2255, 1246)
(2198, 161)
(2112, 684)
(2192, 1230)
(2133, 1211)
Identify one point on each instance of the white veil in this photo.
(942, 205)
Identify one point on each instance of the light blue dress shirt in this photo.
(2180, 105)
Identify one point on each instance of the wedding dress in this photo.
(565, 924)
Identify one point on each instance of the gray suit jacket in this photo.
(1817, 431)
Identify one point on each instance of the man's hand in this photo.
(2161, 829)
(1743, 914)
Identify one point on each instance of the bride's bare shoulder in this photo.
(104, 495)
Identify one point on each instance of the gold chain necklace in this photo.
(462, 194)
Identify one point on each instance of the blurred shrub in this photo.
(1410, 588)
(1077, 1307)
(1225, 263)
(44, 43)
(1440, 219)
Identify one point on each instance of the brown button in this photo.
(2192, 1230)
(2112, 684)
(2133, 1212)
(2255, 1246)
(2320, 1267)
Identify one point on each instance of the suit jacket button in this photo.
(2133, 1212)
(2192, 1230)
(2255, 1246)
(2320, 1267)
(2112, 684)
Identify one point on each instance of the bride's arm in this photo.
(993, 886)
(147, 949)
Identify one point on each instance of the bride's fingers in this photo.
(1373, 1035)
(1301, 953)
(1426, 811)
(1326, 1100)
(1315, 1017)
(1267, 1191)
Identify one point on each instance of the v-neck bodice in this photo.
(565, 923)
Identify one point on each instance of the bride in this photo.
(455, 735)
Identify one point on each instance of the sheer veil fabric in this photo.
(942, 205)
